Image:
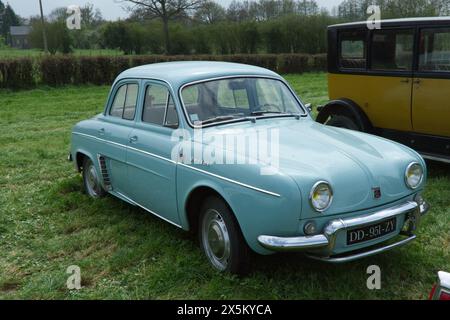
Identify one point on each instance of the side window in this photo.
(131, 101)
(392, 50)
(119, 102)
(124, 104)
(434, 50)
(171, 116)
(159, 107)
(353, 53)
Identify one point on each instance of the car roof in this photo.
(179, 73)
(404, 21)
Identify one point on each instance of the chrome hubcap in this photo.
(216, 240)
(92, 181)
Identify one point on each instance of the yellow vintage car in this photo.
(393, 82)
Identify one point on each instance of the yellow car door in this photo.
(390, 83)
(383, 90)
(431, 100)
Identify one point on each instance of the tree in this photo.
(166, 10)
(126, 36)
(58, 14)
(268, 9)
(210, 13)
(58, 36)
(242, 11)
(308, 7)
(356, 9)
(8, 18)
(90, 17)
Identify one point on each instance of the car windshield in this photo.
(238, 98)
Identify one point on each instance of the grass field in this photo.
(47, 224)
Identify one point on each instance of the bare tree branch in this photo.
(165, 10)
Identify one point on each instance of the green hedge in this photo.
(21, 73)
(17, 73)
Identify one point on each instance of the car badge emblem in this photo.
(377, 193)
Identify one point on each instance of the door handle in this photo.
(133, 139)
(101, 131)
(417, 81)
(404, 81)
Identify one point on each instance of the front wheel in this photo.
(91, 180)
(342, 121)
(221, 238)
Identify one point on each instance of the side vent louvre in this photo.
(105, 174)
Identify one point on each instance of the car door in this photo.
(151, 169)
(388, 88)
(431, 103)
(375, 72)
(113, 133)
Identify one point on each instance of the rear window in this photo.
(352, 46)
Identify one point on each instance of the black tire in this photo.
(215, 215)
(91, 180)
(342, 121)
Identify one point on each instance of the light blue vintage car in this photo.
(230, 152)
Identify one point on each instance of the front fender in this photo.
(257, 213)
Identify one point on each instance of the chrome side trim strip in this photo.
(148, 210)
(182, 164)
(98, 139)
(124, 146)
(231, 181)
(152, 155)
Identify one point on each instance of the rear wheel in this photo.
(342, 121)
(221, 238)
(91, 180)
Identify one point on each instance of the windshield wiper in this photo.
(222, 118)
(263, 113)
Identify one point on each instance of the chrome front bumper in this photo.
(327, 241)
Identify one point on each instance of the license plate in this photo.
(371, 232)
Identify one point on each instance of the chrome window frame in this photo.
(112, 96)
(146, 85)
(194, 126)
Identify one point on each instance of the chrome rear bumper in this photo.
(327, 241)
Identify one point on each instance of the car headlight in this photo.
(321, 196)
(414, 175)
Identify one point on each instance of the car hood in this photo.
(354, 163)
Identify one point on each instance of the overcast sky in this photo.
(111, 9)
